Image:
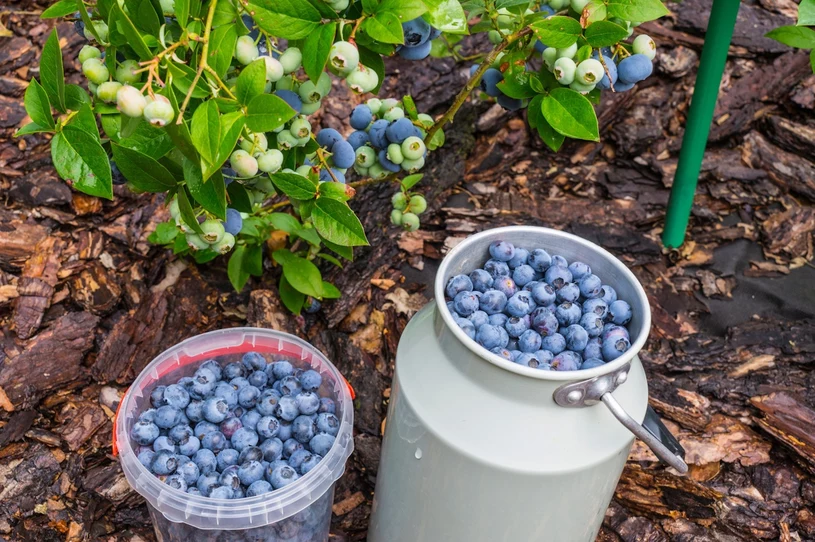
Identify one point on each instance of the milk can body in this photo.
(476, 448)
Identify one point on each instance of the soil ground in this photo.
(86, 302)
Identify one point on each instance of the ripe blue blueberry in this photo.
(568, 314)
(520, 304)
(579, 270)
(556, 276)
(591, 363)
(250, 472)
(502, 251)
(399, 130)
(176, 481)
(227, 458)
(328, 423)
(634, 68)
(253, 361)
(490, 336)
(311, 380)
(164, 463)
(481, 281)
(204, 427)
(145, 457)
(250, 418)
(612, 332)
(250, 453)
(176, 396)
(416, 53)
(612, 349)
(342, 154)
(523, 274)
(569, 292)
(416, 31)
(272, 448)
(521, 257)
(321, 444)
(361, 117)
(303, 429)
(576, 337)
(239, 383)
(310, 463)
(248, 396)
(619, 312)
(189, 472)
(297, 458)
(508, 103)
(503, 352)
(206, 483)
(227, 392)
(544, 322)
(479, 318)
(592, 323)
(287, 408)
(386, 163)
(203, 382)
(144, 433)
(291, 98)
(377, 133)
(593, 348)
(282, 369)
(591, 286)
(543, 294)
(205, 460)
(567, 361)
(554, 343)
(529, 341)
(284, 433)
(282, 476)
(496, 268)
(595, 306)
(167, 416)
(528, 359)
(490, 80)
(148, 415)
(358, 139)
(229, 426)
(221, 492)
(611, 69)
(233, 223)
(257, 379)
(157, 396)
(243, 438)
(215, 441)
(516, 326)
(258, 488)
(466, 303)
(234, 370)
(327, 405)
(505, 285)
(608, 294)
(498, 319)
(560, 261)
(290, 446)
(491, 302)
(544, 356)
(539, 260)
(308, 402)
(290, 386)
(457, 284)
(188, 446)
(215, 410)
(466, 326)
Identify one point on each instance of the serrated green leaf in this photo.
(447, 16)
(411, 180)
(641, 11)
(385, 27)
(316, 49)
(187, 212)
(289, 19)
(294, 186)
(337, 223)
(800, 37)
(205, 130)
(291, 298)
(145, 173)
(60, 9)
(559, 32)
(37, 105)
(235, 269)
(251, 81)
(52, 74)
(164, 234)
(238, 197)
(267, 112)
(303, 275)
(604, 34)
(571, 114)
(210, 194)
(80, 158)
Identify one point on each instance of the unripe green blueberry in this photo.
(418, 204)
(285, 83)
(254, 142)
(167, 7)
(399, 201)
(394, 153)
(644, 45)
(413, 148)
(159, 112)
(410, 221)
(362, 171)
(366, 156)
(377, 172)
(125, 72)
(558, 5)
(564, 70)
(300, 128)
(394, 114)
(567, 52)
(343, 57)
(362, 79)
(93, 87)
(339, 5)
(387, 104)
(426, 120)
(274, 69)
(495, 37)
(245, 50)
(95, 70)
(107, 91)
(303, 170)
(226, 244)
(374, 104)
(195, 242)
(324, 84)
(589, 72)
(310, 109)
(291, 59)
(581, 87)
(396, 217)
(579, 5)
(213, 231)
(130, 101)
(549, 56)
(263, 184)
(183, 226)
(286, 140)
(175, 212)
(243, 163)
(412, 166)
(89, 51)
(258, 197)
(270, 161)
(101, 28)
(303, 141)
(308, 92)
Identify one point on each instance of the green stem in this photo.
(203, 64)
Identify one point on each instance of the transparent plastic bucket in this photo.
(300, 512)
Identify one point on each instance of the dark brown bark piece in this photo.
(96, 289)
(36, 286)
(790, 422)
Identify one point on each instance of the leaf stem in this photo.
(202, 65)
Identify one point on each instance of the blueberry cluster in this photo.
(406, 210)
(241, 430)
(218, 235)
(540, 311)
(418, 39)
(385, 140)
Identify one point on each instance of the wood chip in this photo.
(349, 503)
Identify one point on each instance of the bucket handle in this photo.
(652, 431)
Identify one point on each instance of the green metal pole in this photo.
(711, 67)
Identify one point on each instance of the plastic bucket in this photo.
(299, 512)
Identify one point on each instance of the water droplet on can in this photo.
(418, 454)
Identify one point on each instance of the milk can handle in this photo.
(653, 433)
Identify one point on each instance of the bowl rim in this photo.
(563, 376)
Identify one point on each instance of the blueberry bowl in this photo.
(299, 511)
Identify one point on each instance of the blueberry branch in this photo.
(203, 64)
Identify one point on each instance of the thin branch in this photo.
(203, 64)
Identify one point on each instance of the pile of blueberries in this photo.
(418, 39)
(540, 311)
(241, 430)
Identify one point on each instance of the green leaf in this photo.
(337, 223)
(80, 158)
(806, 13)
(251, 81)
(75, 96)
(183, 77)
(584, 53)
(327, 12)
(641, 11)
(31, 128)
(164, 234)
(548, 134)
(147, 18)
(605, 34)
(86, 18)
(316, 49)
(291, 298)
(558, 31)
(345, 252)
(204, 256)
(405, 10)
(179, 133)
(253, 260)
(187, 212)
(336, 191)
(385, 27)
(231, 127)
(595, 10)
(222, 48)
(37, 105)
(294, 186)
(331, 259)
(225, 13)
(267, 112)
(411, 180)
(238, 197)
(131, 33)
(290, 19)
(811, 62)
(85, 120)
(516, 83)
(145, 173)
(799, 37)
(60, 9)
(373, 60)
(210, 194)
(52, 74)
(182, 12)
(284, 222)
(329, 290)
(205, 130)
(235, 269)
(571, 114)
(149, 140)
(303, 275)
(448, 16)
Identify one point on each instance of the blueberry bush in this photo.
(209, 103)
(799, 35)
